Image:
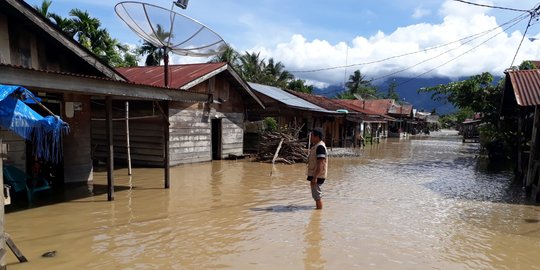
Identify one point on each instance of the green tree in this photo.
(357, 84)
(88, 32)
(478, 93)
(276, 75)
(391, 91)
(300, 86)
(227, 54)
(252, 67)
(44, 8)
(154, 54)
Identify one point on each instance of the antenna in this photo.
(170, 31)
(182, 3)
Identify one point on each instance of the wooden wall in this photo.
(16, 154)
(145, 132)
(77, 159)
(191, 131)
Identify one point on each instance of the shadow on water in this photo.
(56, 195)
(283, 208)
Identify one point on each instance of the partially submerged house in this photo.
(67, 78)
(521, 105)
(203, 131)
(291, 111)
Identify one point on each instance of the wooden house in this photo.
(293, 112)
(341, 129)
(521, 105)
(203, 131)
(68, 78)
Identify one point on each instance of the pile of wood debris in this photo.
(282, 148)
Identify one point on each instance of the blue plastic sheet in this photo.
(44, 132)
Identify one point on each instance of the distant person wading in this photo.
(317, 166)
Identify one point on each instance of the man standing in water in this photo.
(317, 165)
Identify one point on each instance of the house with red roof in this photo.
(202, 131)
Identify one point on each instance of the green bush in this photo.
(270, 123)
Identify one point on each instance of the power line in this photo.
(410, 53)
(495, 7)
(466, 52)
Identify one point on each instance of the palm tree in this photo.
(154, 54)
(65, 24)
(44, 8)
(357, 84)
(276, 74)
(86, 30)
(251, 67)
(227, 54)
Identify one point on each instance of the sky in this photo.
(323, 42)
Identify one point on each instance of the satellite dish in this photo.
(169, 30)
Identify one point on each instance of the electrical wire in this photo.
(468, 39)
(490, 6)
(443, 53)
(411, 53)
(447, 62)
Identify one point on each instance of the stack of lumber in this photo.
(289, 149)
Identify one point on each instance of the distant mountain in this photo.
(408, 92)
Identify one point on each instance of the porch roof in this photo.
(89, 85)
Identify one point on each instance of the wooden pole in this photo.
(166, 135)
(2, 213)
(277, 151)
(127, 139)
(110, 149)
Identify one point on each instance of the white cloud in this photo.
(489, 52)
(420, 12)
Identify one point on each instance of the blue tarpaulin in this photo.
(44, 132)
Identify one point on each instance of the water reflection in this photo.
(313, 259)
(404, 204)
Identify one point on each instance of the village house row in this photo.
(203, 115)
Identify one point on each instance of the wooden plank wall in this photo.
(16, 155)
(146, 141)
(233, 134)
(191, 133)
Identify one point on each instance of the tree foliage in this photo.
(299, 85)
(477, 94)
(87, 30)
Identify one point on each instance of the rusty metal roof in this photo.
(179, 75)
(526, 86)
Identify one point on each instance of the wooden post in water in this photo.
(110, 149)
(166, 136)
(127, 139)
(532, 178)
(2, 213)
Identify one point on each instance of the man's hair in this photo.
(318, 132)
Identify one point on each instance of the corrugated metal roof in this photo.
(526, 86)
(180, 95)
(286, 98)
(179, 75)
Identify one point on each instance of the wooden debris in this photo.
(292, 150)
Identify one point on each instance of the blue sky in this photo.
(310, 35)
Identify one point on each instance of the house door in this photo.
(216, 139)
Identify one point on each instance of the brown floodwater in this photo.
(425, 203)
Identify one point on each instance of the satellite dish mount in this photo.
(170, 31)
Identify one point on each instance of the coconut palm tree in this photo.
(276, 74)
(44, 8)
(154, 54)
(252, 67)
(357, 84)
(227, 54)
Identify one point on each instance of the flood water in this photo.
(426, 203)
